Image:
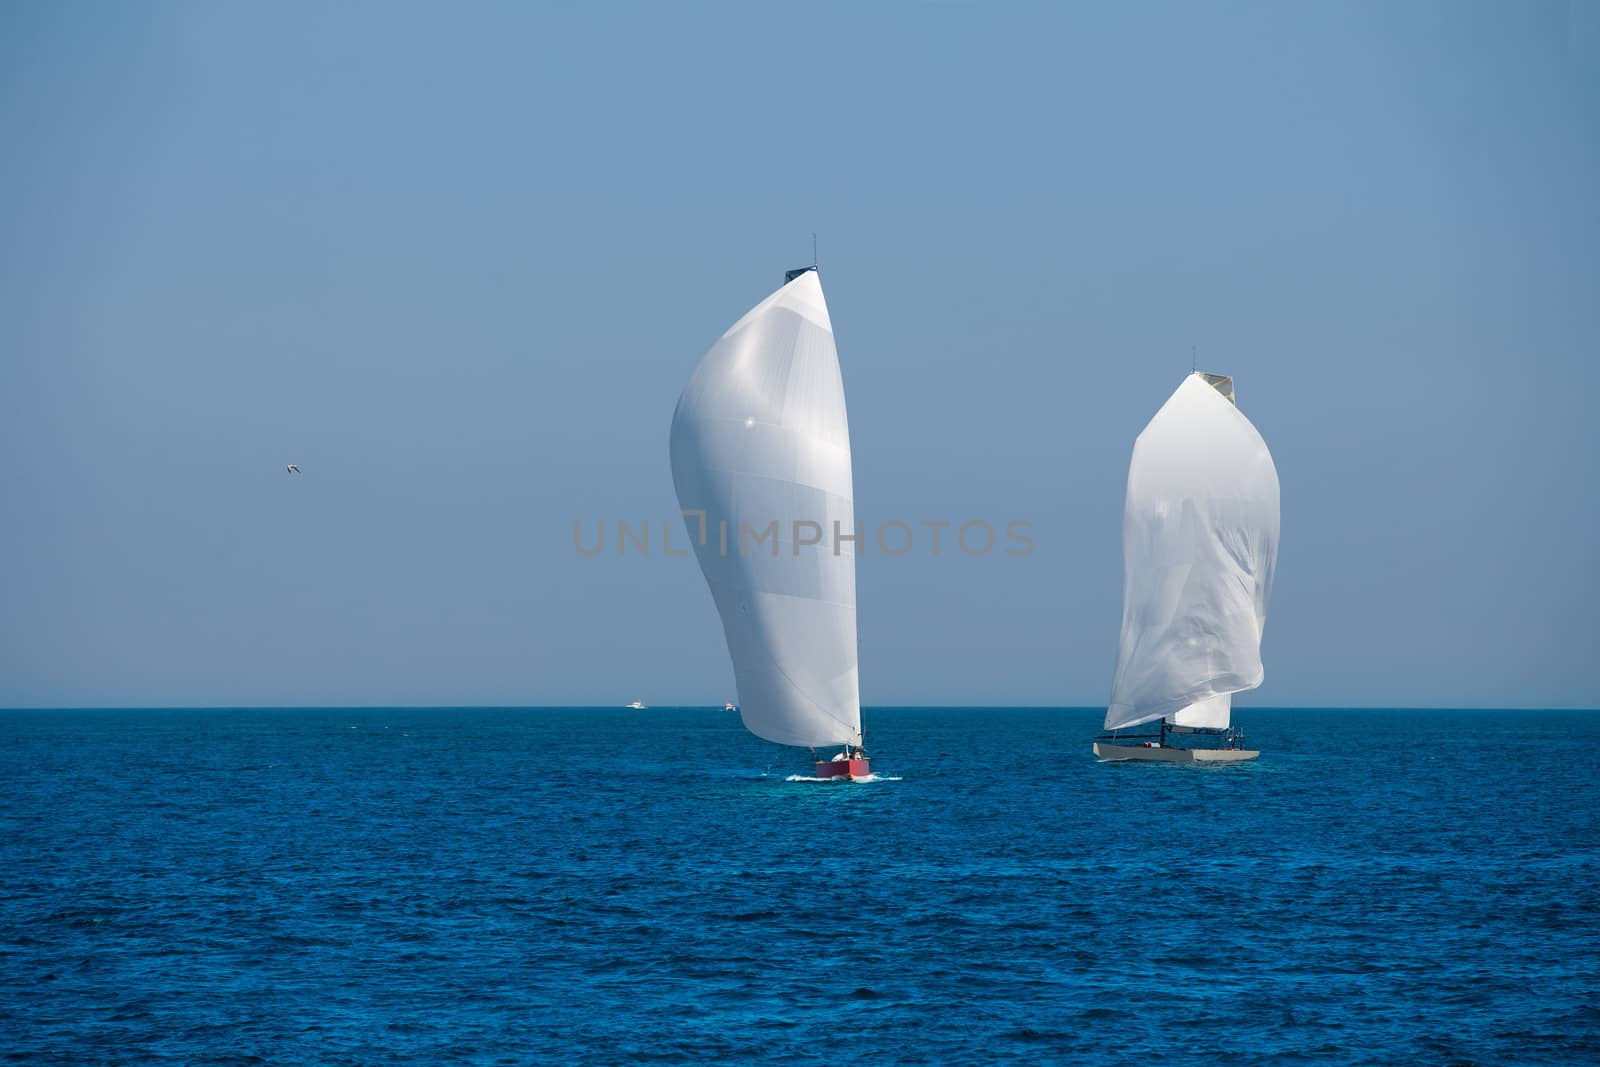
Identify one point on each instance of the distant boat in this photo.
(730, 707)
(637, 705)
(1199, 544)
(760, 443)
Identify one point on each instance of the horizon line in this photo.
(718, 707)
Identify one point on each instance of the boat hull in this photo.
(1166, 754)
(845, 769)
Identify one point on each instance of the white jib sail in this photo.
(1199, 543)
(761, 445)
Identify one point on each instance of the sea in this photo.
(592, 885)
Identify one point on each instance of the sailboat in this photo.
(761, 464)
(1199, 544)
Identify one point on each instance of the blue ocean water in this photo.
(443, 886)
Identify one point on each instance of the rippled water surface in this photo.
(439, 886)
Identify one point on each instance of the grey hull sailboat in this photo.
(1199, 542)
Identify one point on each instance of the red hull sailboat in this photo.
(761, 442)
(848, 765)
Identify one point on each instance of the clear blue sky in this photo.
(456, 261)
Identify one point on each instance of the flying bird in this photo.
(293, 469)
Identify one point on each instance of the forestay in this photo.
(1199, 543)
(761, 446)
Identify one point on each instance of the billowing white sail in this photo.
(1199, 543)
(761, 446)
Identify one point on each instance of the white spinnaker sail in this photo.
(761, 445)
(1199, 543)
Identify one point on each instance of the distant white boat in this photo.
(1199, 544)
(637, 705)
(761, 445)
(730, 707)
